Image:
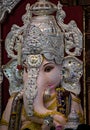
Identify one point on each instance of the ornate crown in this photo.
(46, 34)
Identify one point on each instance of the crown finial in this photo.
(43, 7)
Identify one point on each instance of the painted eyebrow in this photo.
(50, 63)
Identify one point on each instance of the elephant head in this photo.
(40, 48)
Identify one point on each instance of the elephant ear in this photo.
(73, 39)
(14, 76)
(72, 34)
(72, 72)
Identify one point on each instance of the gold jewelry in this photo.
(76, 100)
(81, 117)
(60, 89)
(3, 122)
(51, 98)
(41, 115)
(52, 105)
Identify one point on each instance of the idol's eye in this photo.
(48, 68)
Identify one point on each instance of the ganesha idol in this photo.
(44, 71)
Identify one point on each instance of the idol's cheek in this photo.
(52, 78)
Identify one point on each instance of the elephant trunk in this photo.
(30, 91)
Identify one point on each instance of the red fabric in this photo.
(72, 13)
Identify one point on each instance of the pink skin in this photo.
(49, 76)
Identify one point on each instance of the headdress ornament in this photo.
(45, 34)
